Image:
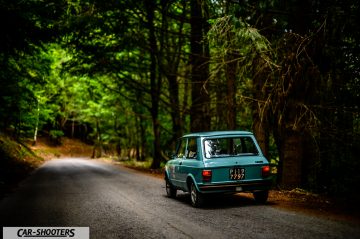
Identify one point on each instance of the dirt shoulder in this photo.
(68, 148)
(317, 205)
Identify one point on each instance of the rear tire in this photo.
(261, 196)
(170, 189)
(197, 198)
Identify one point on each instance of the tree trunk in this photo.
(155, 84)
(230, 74)
(292, 153)
(98, 147)
(260, 117)
(37, 123)
(200, 106)
(142, 140)
(172, 51)
(292, 147)
(72, 128)
(292, 93)
(221, 114)
(261, 132)
(177, 125)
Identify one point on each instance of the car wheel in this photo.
(170, 190)
(197, 199)
(261, 196)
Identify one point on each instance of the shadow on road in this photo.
(222, 201)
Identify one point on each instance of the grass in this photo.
(144, 166)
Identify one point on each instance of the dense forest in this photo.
(130, 77)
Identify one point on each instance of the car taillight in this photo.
(206, 175)
(265, 171)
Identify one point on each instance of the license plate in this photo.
(237, 173)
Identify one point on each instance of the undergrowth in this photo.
(16, 162)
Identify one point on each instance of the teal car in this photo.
(218, 162)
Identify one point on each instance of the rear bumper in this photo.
(249, 186)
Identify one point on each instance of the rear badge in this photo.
(239, 189)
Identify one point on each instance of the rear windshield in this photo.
(225, 147)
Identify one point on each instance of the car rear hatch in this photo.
(236, 168)
(237, 173)
(233, 160)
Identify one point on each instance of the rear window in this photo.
(225, 147)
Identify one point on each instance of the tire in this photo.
(261, 196)
(170, 190)
(197, 198)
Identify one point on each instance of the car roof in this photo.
(218, 133)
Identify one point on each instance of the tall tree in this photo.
(155, 84)
(308, 69)
(174, 29)
(199, 57)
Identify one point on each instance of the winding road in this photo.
(116, 202)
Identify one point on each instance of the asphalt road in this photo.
(119, 203)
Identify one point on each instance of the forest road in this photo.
(116, 202)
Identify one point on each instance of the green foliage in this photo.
(55, 136)
(230, 35)
(25, 26)
(240, 47)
